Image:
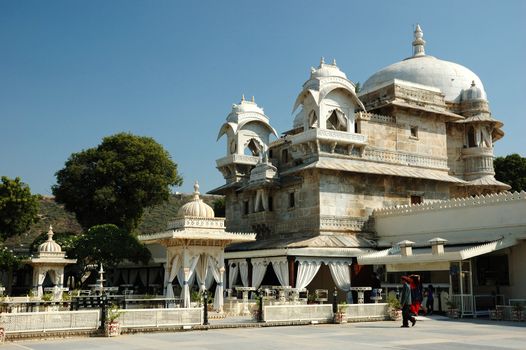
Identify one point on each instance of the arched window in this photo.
(252, 148)
(313, 120)
(337, 121)
(471, 137)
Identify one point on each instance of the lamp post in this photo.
(205, 310)
(335, 300)
(259, 293)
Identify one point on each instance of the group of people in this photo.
(411, 299)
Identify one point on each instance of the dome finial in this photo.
(419, 42)
(196, 189)
(50, 233)
(243, 98)
(253, 99)
(334, 61)
(322, 60)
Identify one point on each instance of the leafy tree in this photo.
(18, 207)
(219, 207)
(109, 245)
(114, 182)
(357, 87)
(8, 260)
(511, 170)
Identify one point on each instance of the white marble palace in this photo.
(396, 178)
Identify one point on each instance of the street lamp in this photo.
(205, 310)
(335, 300)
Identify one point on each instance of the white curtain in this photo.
(232, 272)
(281, 268)
(218, 295)
(201, 271)
(243, 269)
(40, 281)
(259, 267)
(307, 269)
(341, 275)
(176, 265)
(185, 291)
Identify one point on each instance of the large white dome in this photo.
(449, 77)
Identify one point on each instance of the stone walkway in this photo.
(429, 333)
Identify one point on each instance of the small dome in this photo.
(49, 246)
(244, 107)
(327, 70)
(449, 77)
(196, 208)
(473, 93)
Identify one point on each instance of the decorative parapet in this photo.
(341, 137)
(477, 152)
(476, 201)
(387, 119)
(344, 223)
(386, 156)
(196, 222)
(237, 158)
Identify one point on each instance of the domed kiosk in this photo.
(195, 243)
(50, 259)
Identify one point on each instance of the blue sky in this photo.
(72, 72)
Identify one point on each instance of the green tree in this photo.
(109, 245)
(66, 240)
(8, 260)
(512, 171)
(18, 207)
(114, 182)
(219, 207)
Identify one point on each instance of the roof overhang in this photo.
(392, 256)
(306, 252)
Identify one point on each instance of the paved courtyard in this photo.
(437, 333)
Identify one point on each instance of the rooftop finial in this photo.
(253, 100)
(334, 61)
(419, 42)
(50, 233)
(322, 60)
(196, 190)
(242, 97)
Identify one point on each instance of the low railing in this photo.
(315, 312)
(50, 321)
(364, 311)
(464, 302)
(140, 318)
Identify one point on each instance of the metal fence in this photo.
(50, 321)
(161, 317)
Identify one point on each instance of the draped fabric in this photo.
(259, 267)
(40, 281)
(143, 276)
(306, 272)
(209, 280)
(133, 275)
(176, 265)
(201, 271)
(281, 268)
(218, 295)
(243, 269)
(341, 276)
(185, 291)
(232, 273)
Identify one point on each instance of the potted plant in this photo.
(394, 309)
(113, 327)
(517, 313)
(452, 309)
(341, 315)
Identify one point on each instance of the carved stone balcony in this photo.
(237, 159)
(261, 217)
(478, 160)
(324, 135)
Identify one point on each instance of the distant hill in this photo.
(155, 218)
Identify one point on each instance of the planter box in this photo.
(394, 314)
(453, 313)
(112, 329)
(496, 315)
(517, 315)
(340, 317)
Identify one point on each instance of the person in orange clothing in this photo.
(416, 294)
